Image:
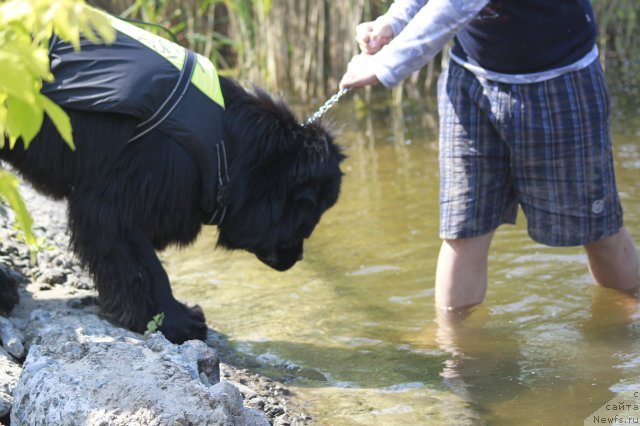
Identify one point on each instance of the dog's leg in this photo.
(180, 322)
(131, 282)
(8, 291)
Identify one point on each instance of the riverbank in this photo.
(54, 282)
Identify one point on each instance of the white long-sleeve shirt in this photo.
(423, 27)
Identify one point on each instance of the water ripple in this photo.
(375, 269)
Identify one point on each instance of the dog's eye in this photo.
(305, 199)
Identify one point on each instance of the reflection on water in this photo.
(353, 327)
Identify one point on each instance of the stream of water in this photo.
(353, 327)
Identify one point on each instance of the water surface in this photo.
(353, 327)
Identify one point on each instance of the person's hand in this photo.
(372, 36)
(359, 73)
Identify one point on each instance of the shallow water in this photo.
(353, 326)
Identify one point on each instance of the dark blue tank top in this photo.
(527, 36)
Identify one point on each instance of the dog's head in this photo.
(284, 176)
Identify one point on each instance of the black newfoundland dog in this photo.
(271, 180)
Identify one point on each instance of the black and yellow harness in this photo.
(163, 85)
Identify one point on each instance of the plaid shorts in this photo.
(544, 146)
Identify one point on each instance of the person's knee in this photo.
(473, 245)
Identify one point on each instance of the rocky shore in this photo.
(60, 363)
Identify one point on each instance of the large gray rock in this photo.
(80, 370)
(11, 338)
(9, 373)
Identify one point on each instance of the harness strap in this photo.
(167, 107)
(172, 100)
(222, 197)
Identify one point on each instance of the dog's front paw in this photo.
(182, 323)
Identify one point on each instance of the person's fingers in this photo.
(363, 42)
(363, 38)
(379, 37)
(359, 73)
(370, 46)
(363, 30)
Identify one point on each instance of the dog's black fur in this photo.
(126, 200)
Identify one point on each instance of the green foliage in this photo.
(9, 190)
(195, 23)
(304, 46)
(154, 324)
(25, 30)
(618, 21)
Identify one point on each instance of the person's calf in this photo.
(461, 276)
(614, 262)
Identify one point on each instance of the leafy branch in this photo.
(26, 27)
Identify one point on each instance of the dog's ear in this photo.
(252, 114)
(316, 140)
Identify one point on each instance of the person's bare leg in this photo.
(613, 262)
(461, 274)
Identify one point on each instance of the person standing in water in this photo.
(524, 121)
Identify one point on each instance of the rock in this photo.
(9, 373)
(74, 297)
(82, 370)
(11, 338)
(81, 302)
(52, 277)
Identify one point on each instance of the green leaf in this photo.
(30, 56)
(99, 24)
(23, 119)
(154, 324)
(9, 191)
(59, 118)
(14, 79)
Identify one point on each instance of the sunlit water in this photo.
(353, 326)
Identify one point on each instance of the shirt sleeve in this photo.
(424, 29)
(400, 13)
